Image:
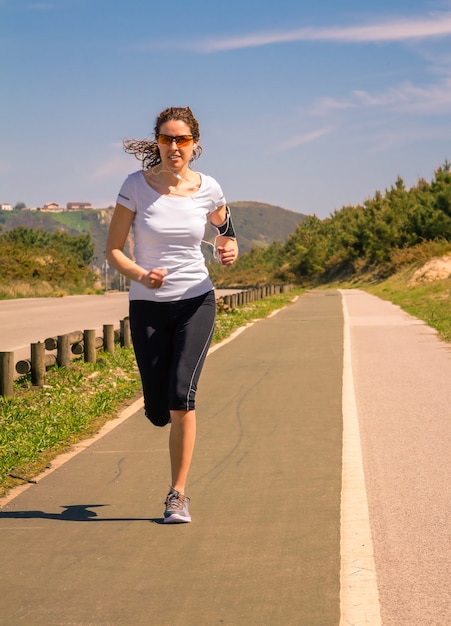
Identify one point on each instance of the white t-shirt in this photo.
(167, 232)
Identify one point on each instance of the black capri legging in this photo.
(171, 340)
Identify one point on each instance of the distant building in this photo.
(78, 206)
(52, 207)
(4, 206)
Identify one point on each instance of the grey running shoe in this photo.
(176, 510)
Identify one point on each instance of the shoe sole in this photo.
(175, 518)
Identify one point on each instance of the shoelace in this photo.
(174, 501)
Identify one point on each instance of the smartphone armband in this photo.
(226, 228)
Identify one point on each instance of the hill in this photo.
(257, 224)
(93, 221)
(391, 229)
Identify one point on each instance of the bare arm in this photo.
(227, 246)
(117, 236)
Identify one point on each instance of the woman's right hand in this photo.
(155, 278)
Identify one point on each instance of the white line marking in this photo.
(359, 597)
(231, 337)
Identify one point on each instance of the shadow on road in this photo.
(76, 513)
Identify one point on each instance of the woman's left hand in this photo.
(227, 252)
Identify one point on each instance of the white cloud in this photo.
(431, 99)
(299, 140)
(402, 114)
(402, 29)
(409, 98)
(326, 105)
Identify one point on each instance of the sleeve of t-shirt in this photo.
(127, 195)
(217, 195)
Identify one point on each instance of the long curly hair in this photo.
(147, 150)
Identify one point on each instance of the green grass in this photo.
(37, 424)
(80, 221)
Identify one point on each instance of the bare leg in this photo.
(181, 446)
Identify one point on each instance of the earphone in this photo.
(162, 171)
(214, 248)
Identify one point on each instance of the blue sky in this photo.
(310, 106)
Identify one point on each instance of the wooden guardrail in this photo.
(251, 294)
(77, 343)
(67, 346)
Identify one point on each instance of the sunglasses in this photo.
(180, 140)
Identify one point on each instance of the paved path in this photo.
(276, 532)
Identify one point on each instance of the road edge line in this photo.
(359, 596)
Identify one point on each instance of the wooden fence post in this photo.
(108, 338)
(89, 341)
(125, 333)
(38, 364)
(63, 351)
(6, 373)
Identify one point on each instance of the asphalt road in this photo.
(29, 320)
(320, 490)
